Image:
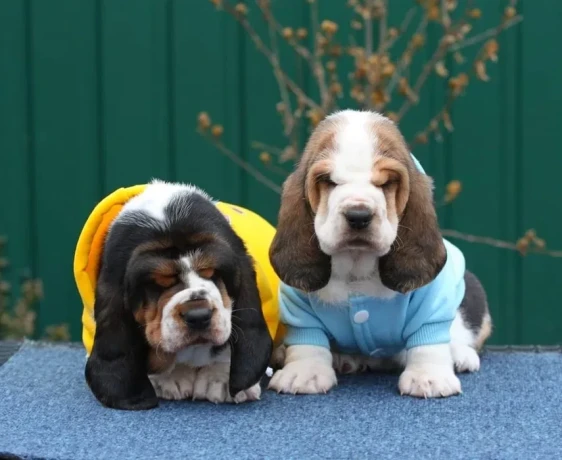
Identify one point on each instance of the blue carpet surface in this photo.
(511, 409)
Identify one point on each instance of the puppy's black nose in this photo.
(198, 318)
(358, 218)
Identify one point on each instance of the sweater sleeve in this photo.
(303, 326)
(434, 306)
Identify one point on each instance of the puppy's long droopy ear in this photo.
(251, 345)
(419, 253)
(295, 253)
(116, 371)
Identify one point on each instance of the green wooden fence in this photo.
(99, 94)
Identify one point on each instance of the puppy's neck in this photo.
(354, 273)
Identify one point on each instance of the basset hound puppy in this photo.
(180, 299)
(367, 278)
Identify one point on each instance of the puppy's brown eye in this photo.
(206, 273)
(327, 180)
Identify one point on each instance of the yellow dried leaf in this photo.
(480, 70)
(433, 13)
(403, 86)
(217, 131)
(463, 79)
(531, 233)
(379, 97)
(331, 66)
(287, 33)
(388, 70)
(491, 49)
(356, 25)
(522, 245)
(459, 59)
(203, 120)
(421, 138)
(392, 116)
(454, 187)
(509, 12)
(216, 3)
(336, 51)
(393, 32)
(335, 88)
(329, 27)
(447, 122)
(265, 157)
(418, 40)
(314, 116)
(241, 9)
(302, 33)
(441, 70)
(475, 13)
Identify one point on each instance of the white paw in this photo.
(212, 383)
(466, 358)
(251, 394)
(175, 385)
(429, 381)
(306, 376)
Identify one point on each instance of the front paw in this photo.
(429, 381)
(175, 385)
(305, 376)
(211, 384)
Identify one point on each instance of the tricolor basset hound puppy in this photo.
(367, 278)
(180, 300)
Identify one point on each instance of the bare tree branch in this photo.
(497, 243)
(243, 164)
(487, 34)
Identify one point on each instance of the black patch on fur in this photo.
(474, 305)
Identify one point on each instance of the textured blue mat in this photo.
(512, 409)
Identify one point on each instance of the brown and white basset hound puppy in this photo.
(367, 278)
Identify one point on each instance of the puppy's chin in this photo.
(356, 244)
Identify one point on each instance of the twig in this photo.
(487, 34)
(368, 26)
(269, 148)
(497, 243)
(318, 69)
(243, 164)
(288, 121)
(406, 58)
(445, 18)
(403, 27)
(264, 49)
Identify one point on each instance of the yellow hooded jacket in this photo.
(255, 231)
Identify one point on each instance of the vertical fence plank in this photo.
(205, 79)
(135, 98)
(507, 313)
(15, 144)
(64, 120)
(541, 118)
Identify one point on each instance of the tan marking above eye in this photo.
(206, 273)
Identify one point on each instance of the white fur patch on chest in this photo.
(354, 274)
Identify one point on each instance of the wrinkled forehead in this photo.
(359, 139)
